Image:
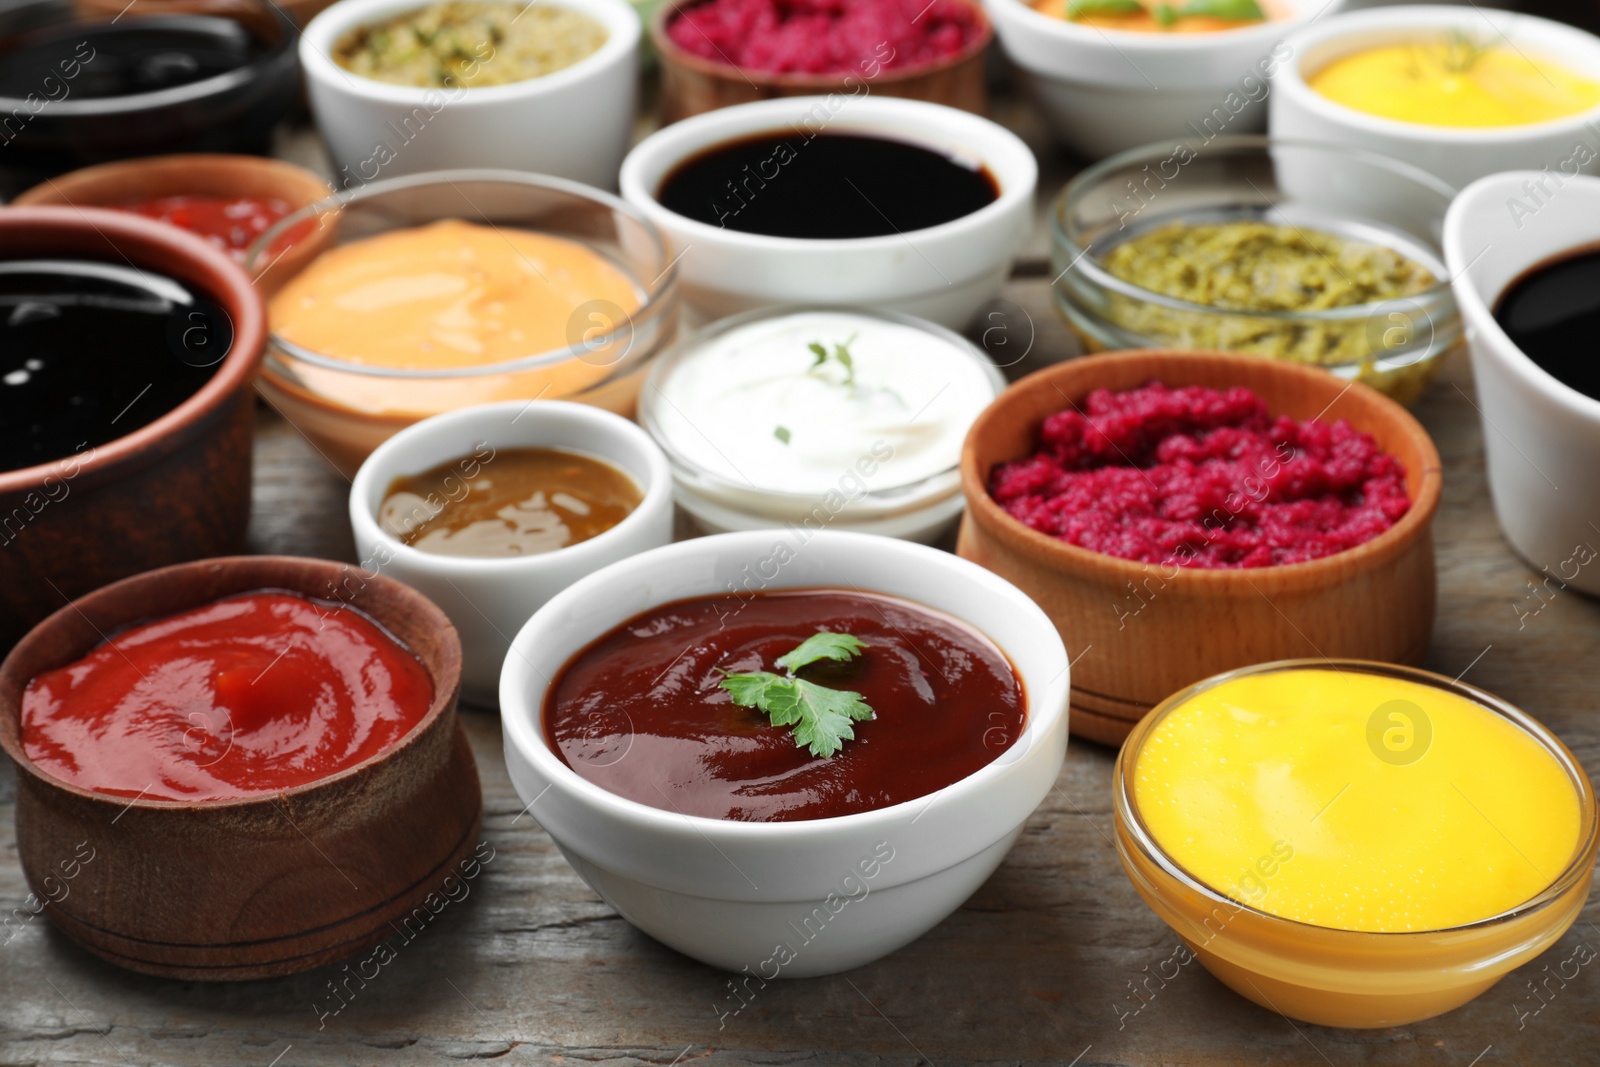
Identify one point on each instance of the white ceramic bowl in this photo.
(861, 498)
(1541, 439)
(1106, 91)
(1457, 154)
(575, 123)
(726, 892)
(488, 600)
(944, 273)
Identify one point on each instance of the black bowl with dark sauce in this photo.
(161, 77)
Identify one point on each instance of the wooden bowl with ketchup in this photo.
(291, 876)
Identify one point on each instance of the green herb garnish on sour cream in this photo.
(821, 717)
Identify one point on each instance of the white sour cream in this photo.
(753, 407)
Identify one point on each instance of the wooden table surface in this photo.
(1040, 966)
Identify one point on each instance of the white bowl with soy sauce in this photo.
(1526, 266)
(898, 205)
(491, 510)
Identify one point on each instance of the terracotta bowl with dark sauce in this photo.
(175, 489)
(261, 885)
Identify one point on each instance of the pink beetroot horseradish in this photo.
(859, 37)
(1201, 477)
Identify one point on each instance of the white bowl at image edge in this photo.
(944, 273)
(489, 599)
(574, 123)
(1541, 438)
(727, 892)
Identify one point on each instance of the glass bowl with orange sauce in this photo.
(455, 288)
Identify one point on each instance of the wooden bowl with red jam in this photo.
(785, 753)
(1181, 514)
(128, 351)
(254, 764)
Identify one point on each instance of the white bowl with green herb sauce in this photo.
(484, 92)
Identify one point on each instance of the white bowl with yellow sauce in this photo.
(1106, 90)
(573, 122)
(1461, 92)
(447, 290)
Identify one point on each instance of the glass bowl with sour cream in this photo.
(819, 418)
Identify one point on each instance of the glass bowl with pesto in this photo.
(1291, 250)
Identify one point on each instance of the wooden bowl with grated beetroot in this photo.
(717, 53)
(1181, 514)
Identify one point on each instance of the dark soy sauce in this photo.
(825, 185)
(90, 352)
(1552, 313)
(139, 55)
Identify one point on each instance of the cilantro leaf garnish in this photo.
(820, 716)
(822, 645)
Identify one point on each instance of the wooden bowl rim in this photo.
(669, 51)
(1060, 555)
(96, 186)
(229, 286)
(445, 673)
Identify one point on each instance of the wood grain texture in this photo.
(1054, 961)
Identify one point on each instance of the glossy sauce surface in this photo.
(519, 502)
(825, 185)
(247, 696)
(1356, 801)
(123, 57)
(1552, 313)
(641, 714)
(90, 352)
(449, 294)
(231, 223)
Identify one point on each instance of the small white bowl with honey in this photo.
(1461, 92)
(492, 510)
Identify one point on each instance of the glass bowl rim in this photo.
(1080, 260)
(659, 293)
(1125, 809)
(680, 349)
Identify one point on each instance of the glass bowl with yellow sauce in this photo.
(1288, 250)
(455, 288)
(1354, 844)
(1461, 92)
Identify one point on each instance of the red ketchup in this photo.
(247, 696)
(232, 223)
(640, 712)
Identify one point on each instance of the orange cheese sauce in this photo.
(449, 294)
(1145, 22)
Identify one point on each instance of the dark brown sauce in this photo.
(90, 352)
(641, 713)
(825, 185)
(515, 502)
(1552, 313)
